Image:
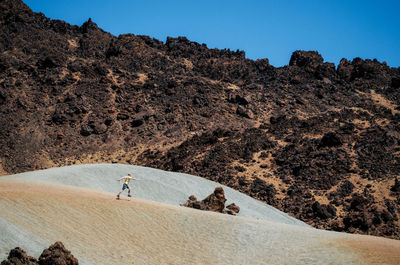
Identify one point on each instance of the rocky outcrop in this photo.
(56, 254)
(18, 256)
(306, 59)
(214, 202)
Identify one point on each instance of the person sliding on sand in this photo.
(126, 179)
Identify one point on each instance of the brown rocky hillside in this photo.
(316, 141)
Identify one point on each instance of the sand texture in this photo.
(38, 208)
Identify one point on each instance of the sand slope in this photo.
(100, 230)
(155, 185)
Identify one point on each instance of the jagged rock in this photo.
(306, 59)
(346, 188)
(59, 119)
(88, 26)
(368, 69)
(122, 116)
(330, 140)
(262, 190)
(245, 112)
(192, 198)
(395, 83)
(345, 69)
(137, 123)
(99, 128)
(396, 186)
(214, 202)
(86, 130)
(233, 209)
(48, 62)
(323, 211)
(18, 256)
(57, 254)
(278, 119)
(239, 99)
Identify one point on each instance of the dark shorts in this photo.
(125, 186)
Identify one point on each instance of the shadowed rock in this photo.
(18, 256)
(396, 186)
(311, 59)
(233, 209)
(214, 202)
(56, 254)
(330, 140)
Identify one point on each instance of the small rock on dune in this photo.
(214, 202)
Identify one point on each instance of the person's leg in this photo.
(129, 192)
(122, 190)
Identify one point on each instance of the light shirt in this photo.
(127, 179)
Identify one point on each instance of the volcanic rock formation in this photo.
(313, 140)
(214, 202)
(56, 254)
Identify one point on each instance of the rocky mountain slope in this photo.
(318, 142)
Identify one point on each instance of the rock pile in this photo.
(56, 254)
(214, 202)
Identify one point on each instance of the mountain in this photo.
(318, 142)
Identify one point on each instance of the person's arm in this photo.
(120, 179)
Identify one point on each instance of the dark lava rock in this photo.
(88, 26)
(323, 211)
(56, 254)
(214, 202)
(99, 128)
(192, 198)
(262, 190)
(396, 186)
(239, 99)
(137, 123)
(233, 209)
(395, 82)
(310, 59)
(86, 130)
(330, 140)
(18, 256)
(345, 69)
(245, 112)
(345, 189)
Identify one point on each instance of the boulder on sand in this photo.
(214, 202)
(56, 254)
(18, 256)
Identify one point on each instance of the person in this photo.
(126, 179)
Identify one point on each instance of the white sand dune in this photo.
(74, 205)
(154, 185)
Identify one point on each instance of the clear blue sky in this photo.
(271, 29)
